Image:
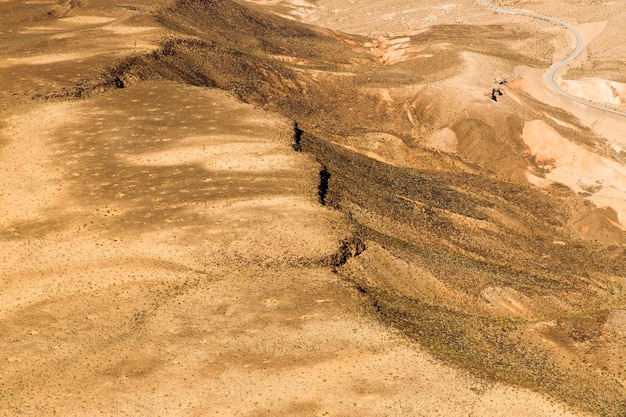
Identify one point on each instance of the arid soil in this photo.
(261, 208)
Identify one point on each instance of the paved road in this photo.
(580, 45)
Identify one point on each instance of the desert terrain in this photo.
(324, 208)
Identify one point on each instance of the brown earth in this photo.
(209, 207)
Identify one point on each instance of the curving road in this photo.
(580, 45)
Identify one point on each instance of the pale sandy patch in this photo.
(609, 126)
(582, 170)
(509, 300)
(300, 9)
(128, 30)
(617, 321)
(561, 122)
(30, 29)
(87, 20)
(529, 80)
(537, 181)
(41, 59)
(591, 30)
(30, 185)
(385, 16)
(389, 51)
(233, 156)
(597, 90)
(613, 196)
(444, 140)
(382, 147)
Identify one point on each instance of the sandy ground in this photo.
(164, 252)
(580, 169)
(159, 302)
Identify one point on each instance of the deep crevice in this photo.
(297, 137)
(350, 248)
(117, 81)
(322, 188)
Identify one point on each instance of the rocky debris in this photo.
(496, 88)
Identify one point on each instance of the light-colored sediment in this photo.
(577, 167)
(597, 90)
(605, 125)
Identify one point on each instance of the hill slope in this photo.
(191, 214)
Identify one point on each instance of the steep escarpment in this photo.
(471, 276)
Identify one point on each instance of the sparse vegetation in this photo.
(511, 282)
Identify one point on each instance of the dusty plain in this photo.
(264, 208)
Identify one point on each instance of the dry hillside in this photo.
(220, 207)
